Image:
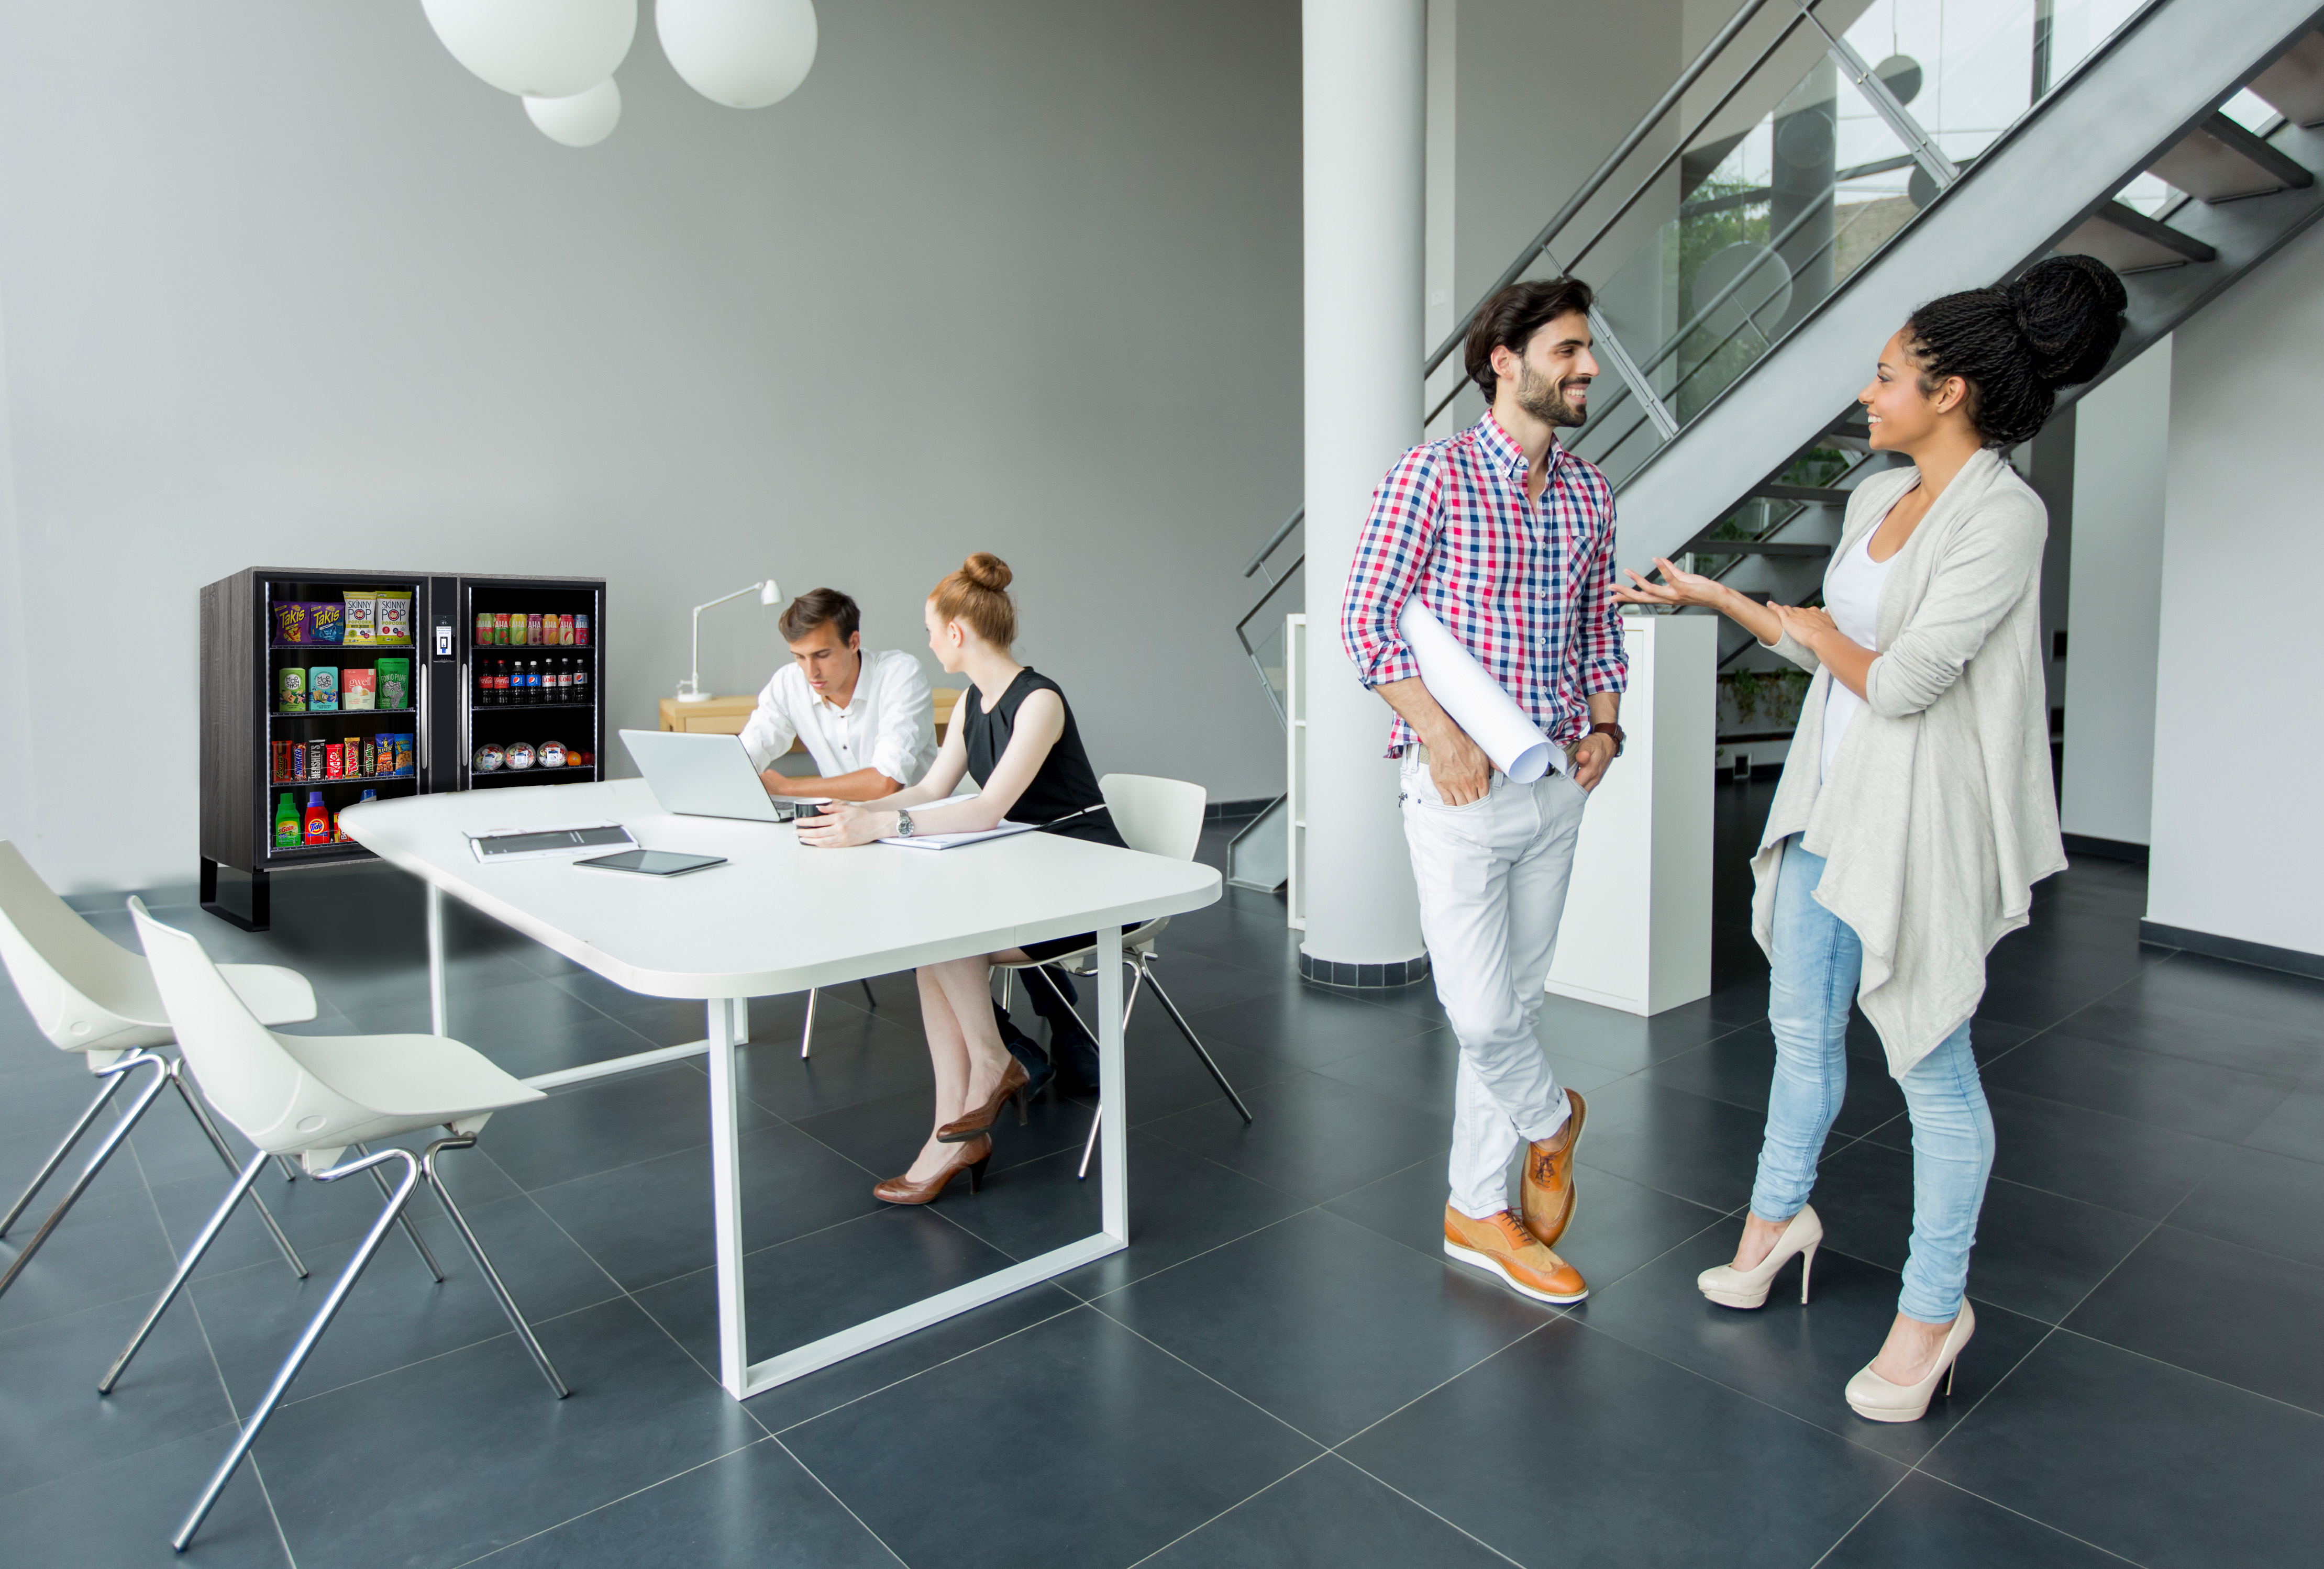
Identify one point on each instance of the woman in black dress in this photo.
(1014, 737)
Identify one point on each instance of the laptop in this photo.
(702, 775)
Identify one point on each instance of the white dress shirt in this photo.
(889, 723)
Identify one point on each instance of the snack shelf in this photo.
(340, 647)
(485, 707)
(341, 713)
(373, 779)
(503, 775)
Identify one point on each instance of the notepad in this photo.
(949, 841)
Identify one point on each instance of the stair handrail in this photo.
(1605, 171)
(1277, 538)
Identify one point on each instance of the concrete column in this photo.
(1364, 66)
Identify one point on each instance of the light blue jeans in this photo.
(1818, 961)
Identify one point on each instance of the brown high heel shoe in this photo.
(969, 1124)
(972, 1159)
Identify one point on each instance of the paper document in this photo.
(520, 844)
(947, 841)
(1477, 703)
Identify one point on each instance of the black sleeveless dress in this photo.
(1064, 783)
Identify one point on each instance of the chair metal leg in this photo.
(346, 1283)
(410, 1232)
(1128, 1004)
(1187, 1030)
(112, 1138)
(485, 1265)
(806, 1035)
(104, 1095)
(226, 1153)
(1008, 990)
(186, 1266)
(870, 1000)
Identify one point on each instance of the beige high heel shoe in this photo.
(1876, 1399)
(1733, 1287)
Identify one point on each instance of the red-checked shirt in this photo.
(1527, 586)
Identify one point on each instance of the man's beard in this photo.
(1545, 399)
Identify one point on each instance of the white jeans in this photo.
(1492, 878)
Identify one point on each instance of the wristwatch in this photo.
(903, 824)
(1614, 730)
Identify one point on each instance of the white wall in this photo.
(2122, 439)
(2238, 844)
(284, 285)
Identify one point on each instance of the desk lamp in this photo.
(690, 689)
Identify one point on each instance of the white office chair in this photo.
(90, 995)
(807, 1032)
(312, 1097)
(1161, 817)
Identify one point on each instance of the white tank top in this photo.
(1852, 594)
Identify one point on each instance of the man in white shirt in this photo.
(867, 719)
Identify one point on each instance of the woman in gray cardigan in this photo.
(1917, 809)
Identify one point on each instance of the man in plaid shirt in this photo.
(1507, 539)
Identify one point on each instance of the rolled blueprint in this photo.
(1477, 703)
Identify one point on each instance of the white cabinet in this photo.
(1637, 931)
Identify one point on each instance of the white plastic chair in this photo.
(312, 1097)
(90, 995)
(1161, 817)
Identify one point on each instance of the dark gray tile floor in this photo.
(1282, 1370)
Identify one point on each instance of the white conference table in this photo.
(779, 918)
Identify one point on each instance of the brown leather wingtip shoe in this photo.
(1548, 1191)
(1501, 1243)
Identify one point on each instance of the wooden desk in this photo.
(726, 716)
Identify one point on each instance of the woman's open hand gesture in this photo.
(1677, 588)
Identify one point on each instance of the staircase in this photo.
(1822, 169)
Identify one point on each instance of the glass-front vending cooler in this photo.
(531, 703)
(313, 691)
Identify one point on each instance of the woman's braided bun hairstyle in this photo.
(2016, 343)
(977, 596)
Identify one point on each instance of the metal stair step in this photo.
(2294, 85)
(1815, 495)
(1756, 547)
(2129, 241)
(2219, 160)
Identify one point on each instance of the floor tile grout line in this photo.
(1315, 1459)
(609, 1503)
(1076, 1307)
(1555, 1314)
(829, 1492)
(1860, 1519)
(2309, 1411)
(626, 1295)
(2021, 1514)
(1209, 1378)
(1416, 1503)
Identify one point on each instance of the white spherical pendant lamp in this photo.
(536, 49)
(743, 53)
(583, 119)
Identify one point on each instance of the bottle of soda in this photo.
(532, 680)
(581, 678)
(564, 679)
(499, 681)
